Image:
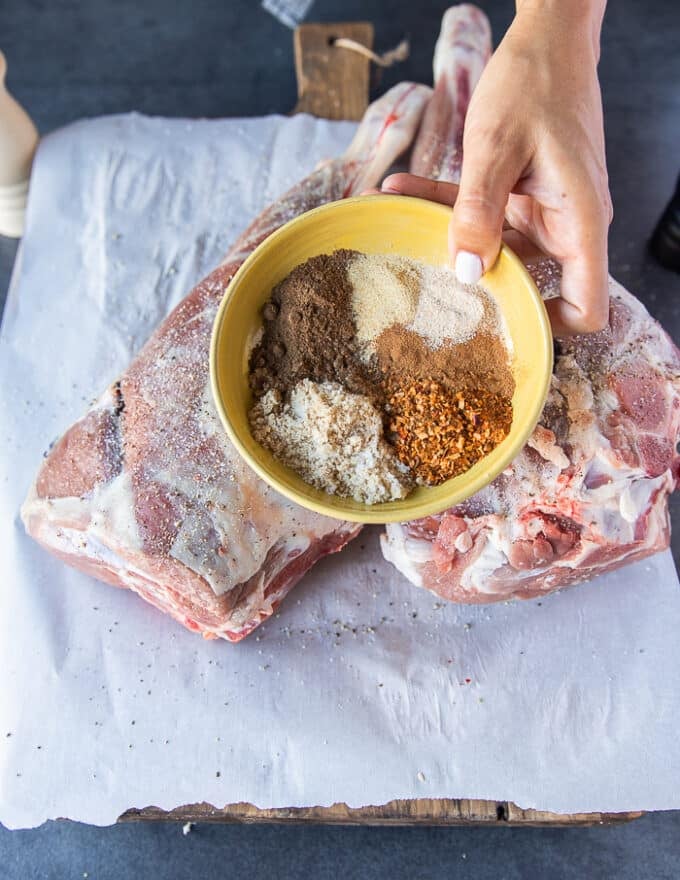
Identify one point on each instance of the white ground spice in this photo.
(333, 440)
(429, 300)
(385, 291)
(447, 311)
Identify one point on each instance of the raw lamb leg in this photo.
(146, 492)
(462, 51)
(589, 492)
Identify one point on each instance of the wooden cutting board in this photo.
(333, 83)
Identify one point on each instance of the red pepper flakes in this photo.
(440, 433)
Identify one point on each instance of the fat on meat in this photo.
(589, 492)
(147, 493)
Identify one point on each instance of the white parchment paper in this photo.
(363, 688)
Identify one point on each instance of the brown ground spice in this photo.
(309, 332)
(482, 362)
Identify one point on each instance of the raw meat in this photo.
(147, 493)
(462, 50)
(589, 491)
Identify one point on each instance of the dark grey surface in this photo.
(214, 58)
(645, 849)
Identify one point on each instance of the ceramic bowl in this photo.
(382, 225)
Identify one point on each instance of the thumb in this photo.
(488, 175)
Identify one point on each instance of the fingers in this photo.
(567, 319)
(583, 306)
(490, 170)
(524, 247)
(421, 187)
(445, 194)
(575, 235)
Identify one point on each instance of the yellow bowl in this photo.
(380, 225)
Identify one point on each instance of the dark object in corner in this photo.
(665, 241)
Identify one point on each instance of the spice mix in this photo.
(428, 356)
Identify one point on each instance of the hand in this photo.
(446, 194)
(533, 152)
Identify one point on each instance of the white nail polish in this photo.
(469, 268)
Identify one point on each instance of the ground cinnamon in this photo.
(481, 362)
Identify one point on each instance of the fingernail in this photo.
(469, 268)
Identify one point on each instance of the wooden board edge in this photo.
(398, 812)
